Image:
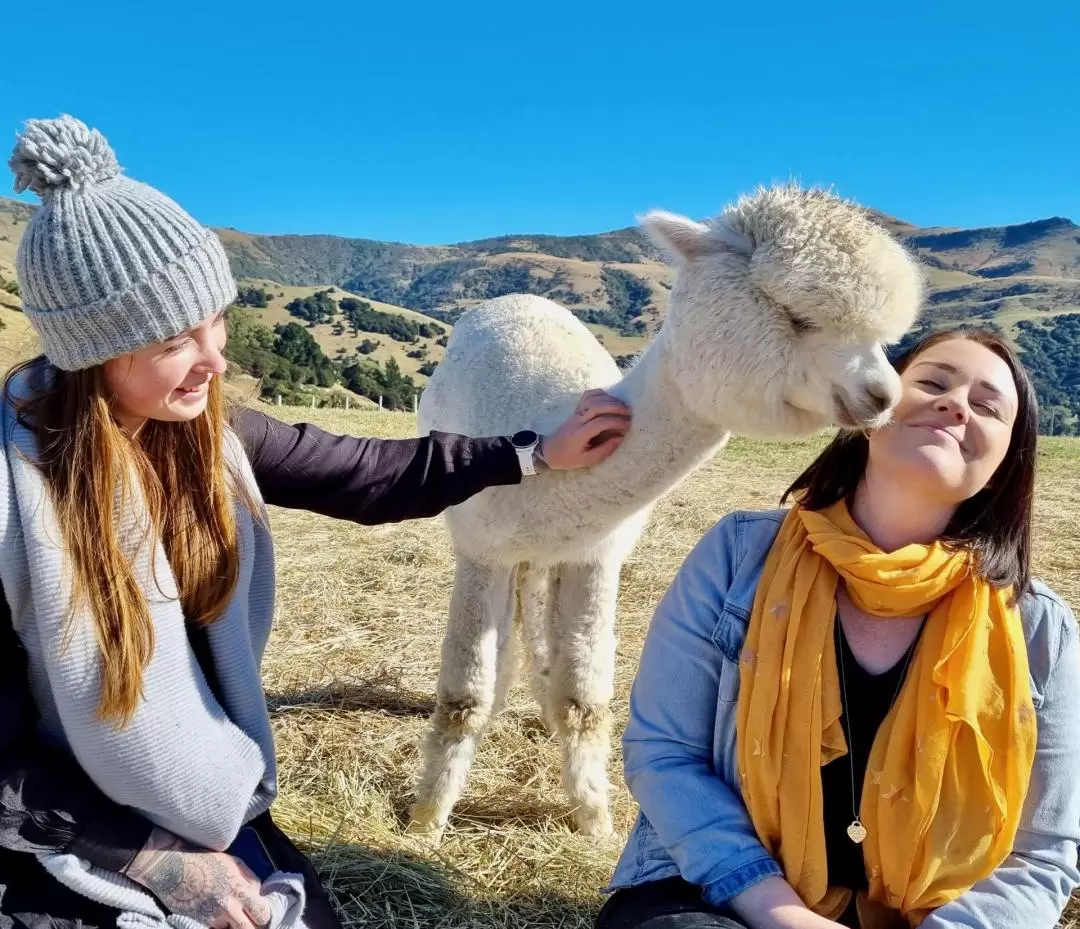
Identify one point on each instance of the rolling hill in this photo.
(1001, 274)
(617, 280)
(1014, 276)
(339, 341)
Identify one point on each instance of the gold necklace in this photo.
(857, 831)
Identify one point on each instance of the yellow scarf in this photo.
(949, 769)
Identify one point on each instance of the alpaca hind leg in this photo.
(507, 645)
(582, 685)
(535, 611)
(479, 604)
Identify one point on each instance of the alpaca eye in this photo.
(801, 325)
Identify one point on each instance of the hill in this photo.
(340, 340)
(1017, 277)
(617, 282)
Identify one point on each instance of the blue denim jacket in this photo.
(679, 746)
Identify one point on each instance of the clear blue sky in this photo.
(446, 121)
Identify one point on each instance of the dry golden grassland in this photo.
(351, 672)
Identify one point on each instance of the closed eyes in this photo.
(176, 347)
(801, 324)
(983, 406)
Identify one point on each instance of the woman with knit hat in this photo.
(137, 764)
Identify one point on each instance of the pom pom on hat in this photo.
(52, 154)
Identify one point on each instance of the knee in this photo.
(464, 716)
(584, 719)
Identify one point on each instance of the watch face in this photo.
(524, 439)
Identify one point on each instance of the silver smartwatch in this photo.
(525, 444)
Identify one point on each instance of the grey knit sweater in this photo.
(192, 765)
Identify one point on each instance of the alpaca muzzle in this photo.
(870, 408)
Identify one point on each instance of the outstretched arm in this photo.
(373, 481)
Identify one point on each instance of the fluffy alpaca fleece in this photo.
(775, 328)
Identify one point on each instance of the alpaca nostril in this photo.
(881, 396)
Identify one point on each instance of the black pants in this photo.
(675, 904)
(31, 899)
(669, 904)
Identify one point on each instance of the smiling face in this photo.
(168, 381)
(953, 425)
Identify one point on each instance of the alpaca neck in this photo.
(666, 442)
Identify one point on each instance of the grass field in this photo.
(17, 340)
(350, 677)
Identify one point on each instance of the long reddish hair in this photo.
(94, 471)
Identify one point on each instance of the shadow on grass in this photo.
(493, 812)
(394, 890)
(382, 694)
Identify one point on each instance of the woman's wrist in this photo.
(774, 904)
(538, 454)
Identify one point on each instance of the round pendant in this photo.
(856, 832)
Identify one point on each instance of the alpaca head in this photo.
(779, 311)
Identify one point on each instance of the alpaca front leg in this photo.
(582, 685)
(479, 605)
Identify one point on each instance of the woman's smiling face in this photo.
(953, 425)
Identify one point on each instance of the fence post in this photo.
(380, 401)
(279, 399)
(313, 401)
(414, 403)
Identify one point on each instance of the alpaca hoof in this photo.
(424, 821)
(594, 822)
(425, 836)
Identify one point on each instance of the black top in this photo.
(871, 697)
(47, 802)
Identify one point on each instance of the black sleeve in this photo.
(370, 481)
(47, 802)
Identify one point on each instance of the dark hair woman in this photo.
(862, 711)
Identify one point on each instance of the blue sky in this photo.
(442, 122)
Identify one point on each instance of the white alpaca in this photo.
(774, 328)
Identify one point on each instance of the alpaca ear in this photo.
(680, 236)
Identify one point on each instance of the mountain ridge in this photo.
(1012, 276)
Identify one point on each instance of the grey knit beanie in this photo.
(107, 265)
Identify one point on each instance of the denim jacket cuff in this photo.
(752, 869)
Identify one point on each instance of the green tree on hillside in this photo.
(318, 308)
(250, 344)
(1051, 353)
(628, 297)
(372, 381)
(295, 344)
(252, 296)
(362, 316)
(253, 348)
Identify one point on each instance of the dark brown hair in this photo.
(995, 523)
